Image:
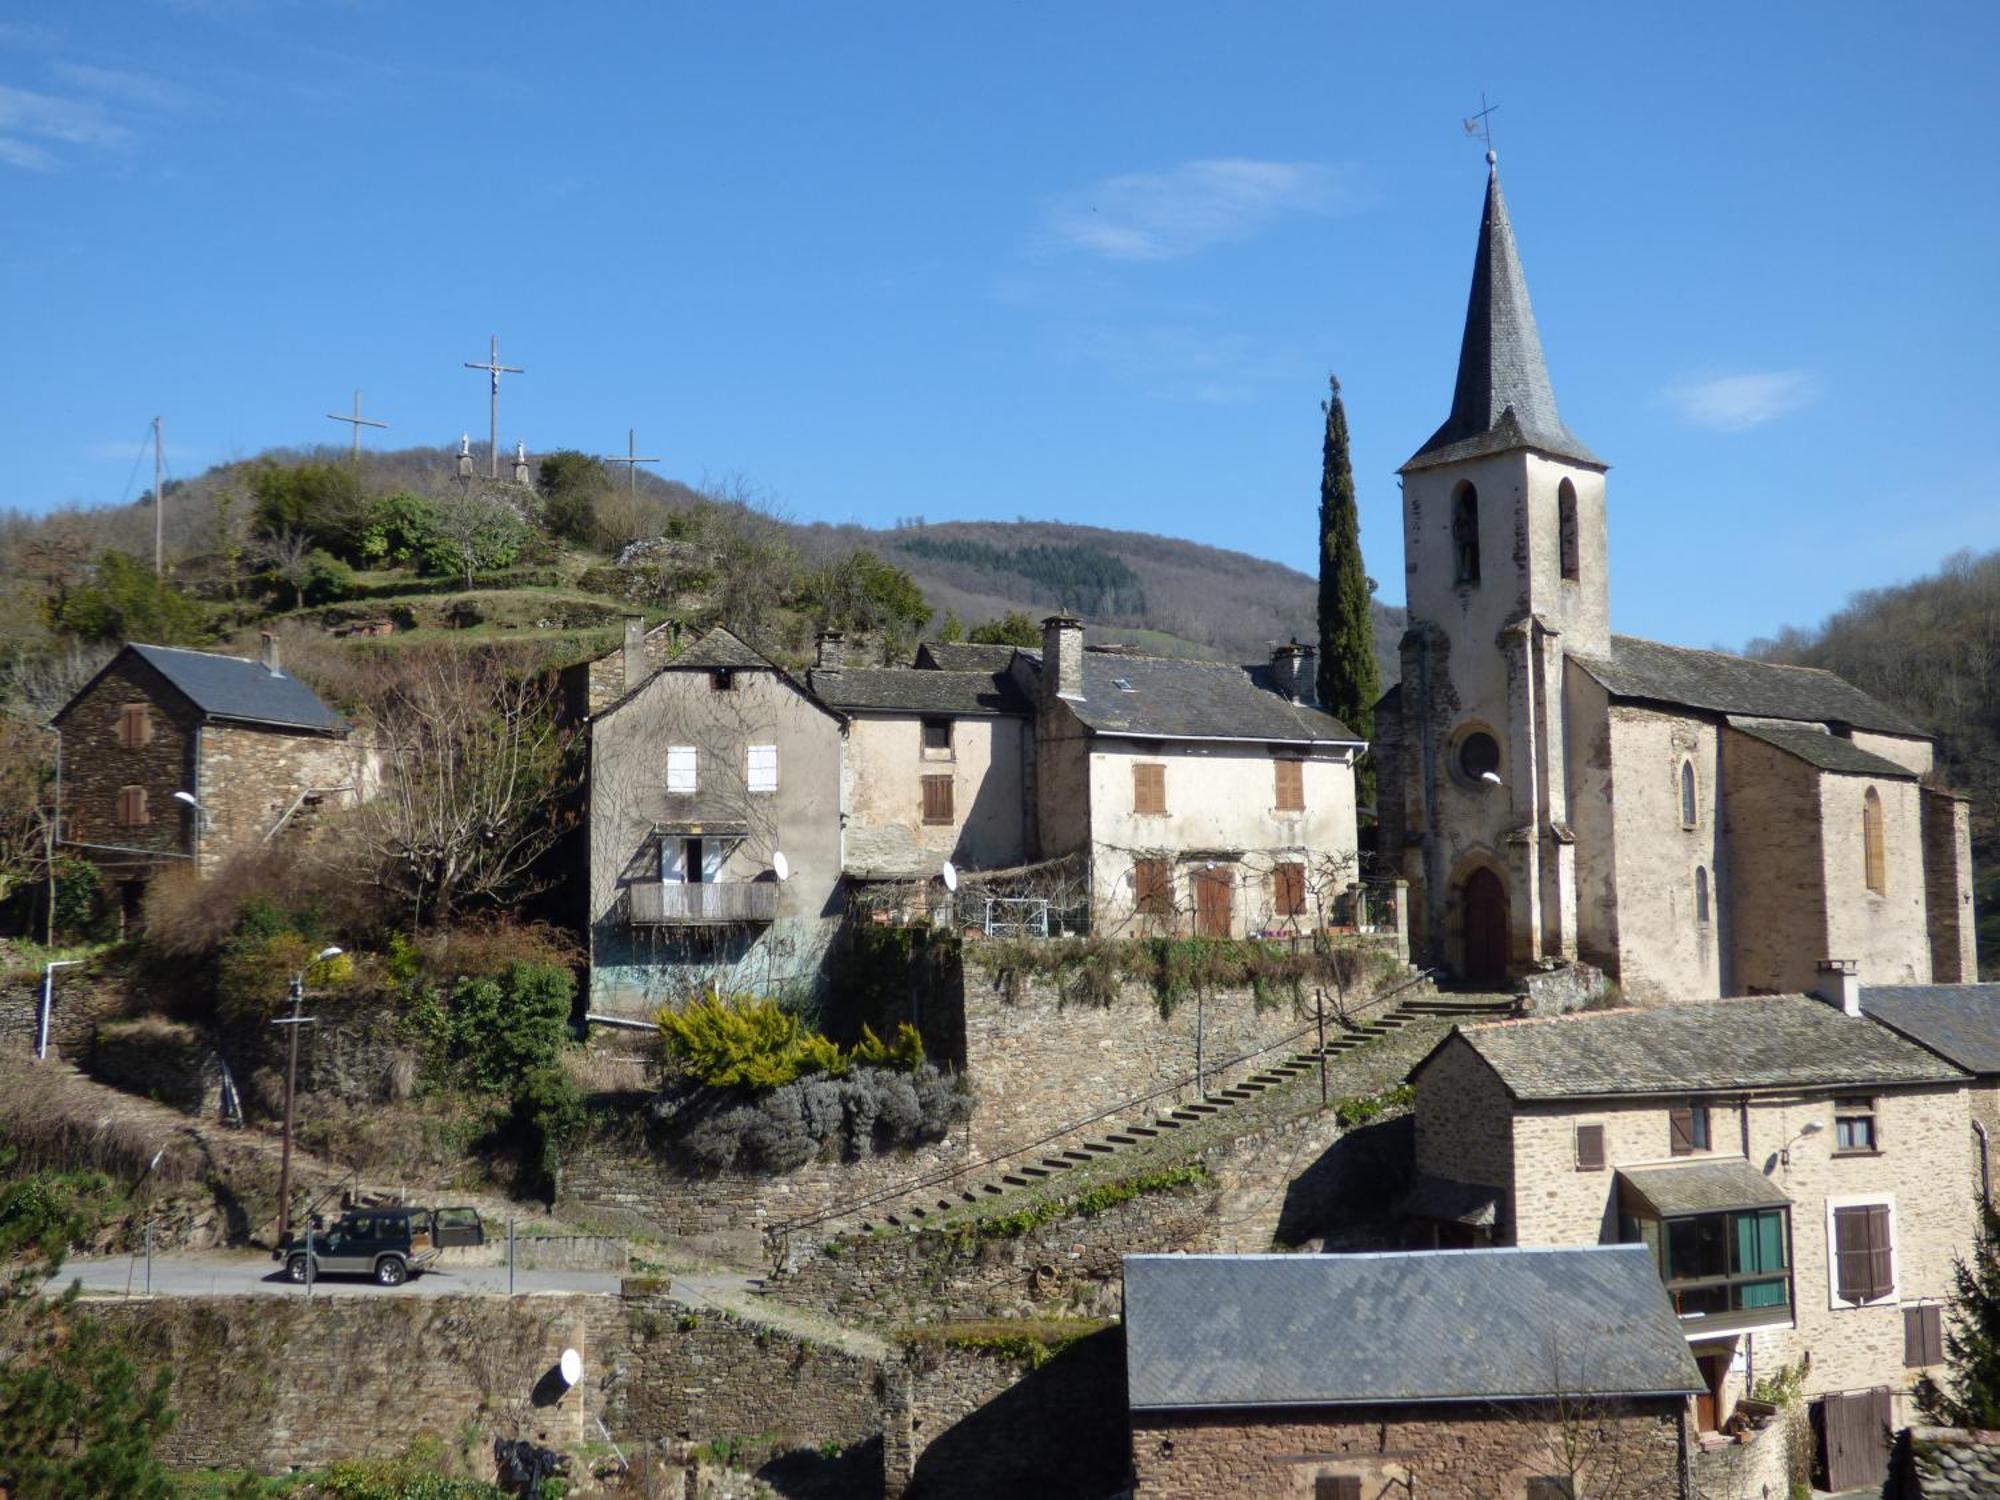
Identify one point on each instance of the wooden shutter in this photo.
(1153, 887)
(1288, 890)
(1923, 1335)
(1680, 1128)
(1149, 787)
(132, 807)
(135, 726)
(1291, 785)
(937, 799)
(1865, 1266)
(1590, 1148)
(1337, 1487)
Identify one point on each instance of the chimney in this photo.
(1295, 670)
(268, 653)
(635, 650)
(1062, 657)
(1842, 986)
(831, 647)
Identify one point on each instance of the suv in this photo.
(389, 1244)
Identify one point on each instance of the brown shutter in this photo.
(937, 799)
(132, 806)
(1291, 785)
(1149, 787)
(1881, 1267)
(1152, 885)
(1680, 1127)
(1923, 1335)
(1337, 1487)
(1590, 1148)
(135, 726)
(1933, 1334)
(1850, 1253)
(1288, 889)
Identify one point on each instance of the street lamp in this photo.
(295, 1021)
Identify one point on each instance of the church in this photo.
(1694, 824)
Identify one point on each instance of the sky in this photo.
(1091, 261)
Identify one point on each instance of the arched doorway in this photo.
(1483, 920)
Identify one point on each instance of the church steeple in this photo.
(1503, 399)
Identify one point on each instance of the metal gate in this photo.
(1856, 1433)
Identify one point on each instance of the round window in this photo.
(1478, 755)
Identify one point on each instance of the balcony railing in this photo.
(661, 902)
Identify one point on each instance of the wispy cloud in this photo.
(31, 123)
(1736, 403)
(1189, 208)
(132, 90)
(1174, 359)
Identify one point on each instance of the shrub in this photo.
(866, 1112)
(750, 1043)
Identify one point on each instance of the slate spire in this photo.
(1503, 399)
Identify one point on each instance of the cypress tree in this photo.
(1971, 1395)
(1348, 681)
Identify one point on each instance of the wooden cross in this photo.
(631, 458)
(358, 422)
(494, 368)
(1480, 125)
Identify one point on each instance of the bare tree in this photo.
(288, 557)
(478, 527)
(1596, 1447)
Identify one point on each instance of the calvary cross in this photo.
(631, 458)
(494, 368)
(358, 422)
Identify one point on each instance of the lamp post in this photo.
(294, 1021)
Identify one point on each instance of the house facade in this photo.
(1693, 823)
(1961, 1024)
(1797, 1174)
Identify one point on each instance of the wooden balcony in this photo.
(660, 903)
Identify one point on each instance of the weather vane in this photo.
(1480, 125)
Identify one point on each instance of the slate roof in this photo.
(1172, 698)
(908, 690)
(1415, 1327)
(1829, 752)
(1959, 1022)
(963, 656)
(235, 687)
(1698, 1046)
(721, 648)
(1726, 684)
(1947, 1463)
(1710, 1185)
(1503, 399)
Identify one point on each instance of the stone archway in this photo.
(1482, 925)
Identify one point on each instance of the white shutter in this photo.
(673, 861)
(763, 768)
(680, 768)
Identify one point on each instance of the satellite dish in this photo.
(950, 874)
(570, 1366)
(1491, 778)
(780, 866)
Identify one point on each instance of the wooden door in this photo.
(1708, 1405)
(1211, 901)
(1855, 1429)
(1485, 925)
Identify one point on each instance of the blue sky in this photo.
(1079, 260)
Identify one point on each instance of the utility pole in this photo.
(632, 459)
(357, 422)
(294, 1021)
(159, 503)
(495, 369)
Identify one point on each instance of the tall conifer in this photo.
(1348, 681)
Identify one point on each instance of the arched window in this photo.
(1566, 531)
(1688, 807)
(1465, 532)
(1701, 895)
(1873, 855)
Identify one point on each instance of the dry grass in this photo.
(58, 1127)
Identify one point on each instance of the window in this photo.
(135, 726)
(1689, 810)
(1871, 842)
(1153, 887)
(937, 799)
(1291, 785)
(1288, 890)
(1864, 1260)
(937, 737)
(680, 768)
(1590, 1148)
(721, 680)
(1854, 1125)
(761, 768)
(1337, 1487)
(1465, 533)
(1566, 531)
(1687, 1129)
(1550, 1487)
(1479, 756)
(1149, 787)
(132, 807)
(686, 861)
(1923, 1335)
(1701, 895)
(1718, 1264)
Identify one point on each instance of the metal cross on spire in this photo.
(631, 458)
(494, 368)
(1481, 124)
(358, 422)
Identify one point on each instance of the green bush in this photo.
(751, 1043)
(127, 601)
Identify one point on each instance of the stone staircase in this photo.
(1032, 1170)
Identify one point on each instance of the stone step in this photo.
(1168, 1122)
(1014, 1179)
(992, 1188)
(1033, 1171)
(1076, 1156)
(1055, 1164)
(1123, 1139)
(1100, 1148)
(1141, 1130)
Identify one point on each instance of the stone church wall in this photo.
(1771, 832)
(1912, 755)
(1948, 888)
(1665, 951)
(1883, 932)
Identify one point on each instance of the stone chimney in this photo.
(635, 651)
(1841, 984)
(267, 653)
(1062, 657)
(831, 648)
(1295, 670)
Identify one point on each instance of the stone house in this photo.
(1471, 1375)
(715, 808)
(171, 755)
(1796, 1172)
(1207, 797)
(1961, 1024)
(1693, 823)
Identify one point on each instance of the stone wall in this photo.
(249, 779)
(96, 766)
(1665, 950)
(1948, 888)
(1777, 893)
(158, 1059)
(85, 999)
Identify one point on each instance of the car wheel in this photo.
(389, 1271)
(295, 1268)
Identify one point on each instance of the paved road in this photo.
(239, 1274)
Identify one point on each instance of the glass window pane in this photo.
(1754, 1294)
